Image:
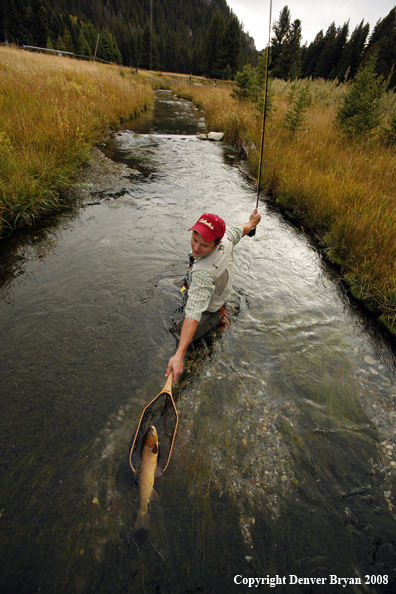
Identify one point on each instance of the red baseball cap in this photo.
(210, 226)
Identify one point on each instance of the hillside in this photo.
(193, 36)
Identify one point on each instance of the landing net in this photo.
(162, 413)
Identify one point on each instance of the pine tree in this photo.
(83, 46)
(311, 55)
(340, 44)
(2, 20)
(213, 45)
(16, 24)
(297, 114)
(91, 35)
(149, 55)
(196, 62)
(161, 51)
(383, 28)
(288, 65)
(68, 41)
(171, 49)
(135, 55)
(360, 112)
(231, 45)
(383, 42)
(281, 29)
(123, 37)
(353, 52)
(146, 48)
(325, 62)
(74, 29)
(107, 48)
(56, 25)
(39, 23)
(248, 89)
(60, 45)
(155, 61)
(227, 73)
(291, 95)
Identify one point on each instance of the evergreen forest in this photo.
(200, 37)
(187, 36)
(336, 54)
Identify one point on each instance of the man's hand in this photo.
(254, 220)
(255, 217)
(175, 364)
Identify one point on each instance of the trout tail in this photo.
(142, 521)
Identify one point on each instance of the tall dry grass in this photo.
(221, 111)
(345, 191)
(52, 111)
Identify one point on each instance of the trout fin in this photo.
(158, 472)
(142, 521)
(154, 495)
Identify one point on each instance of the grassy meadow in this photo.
(344, 190)
(52, 111)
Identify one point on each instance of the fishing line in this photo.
(253, 231)
(157, 550)
(139, 573)
(163, 560)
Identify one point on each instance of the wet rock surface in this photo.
(103, 179)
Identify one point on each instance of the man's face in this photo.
(201, 247)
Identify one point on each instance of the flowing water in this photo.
(285, 460)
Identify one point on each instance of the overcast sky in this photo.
(313, 14)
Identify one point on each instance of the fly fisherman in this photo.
(209, 280)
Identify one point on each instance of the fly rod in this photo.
(253, 231)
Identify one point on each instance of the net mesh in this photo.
(161, 413)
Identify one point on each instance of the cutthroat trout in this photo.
(148, 472)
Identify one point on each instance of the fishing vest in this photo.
(220, 265)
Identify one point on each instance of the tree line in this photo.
(195, 37)
(336, 54)
(192, 37)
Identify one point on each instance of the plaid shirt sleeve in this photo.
(200, 292)
(236, 233)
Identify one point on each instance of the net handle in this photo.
(167, 389)
(174, 432)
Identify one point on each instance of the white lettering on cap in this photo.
(205, 222)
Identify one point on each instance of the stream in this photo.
(284, 464)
